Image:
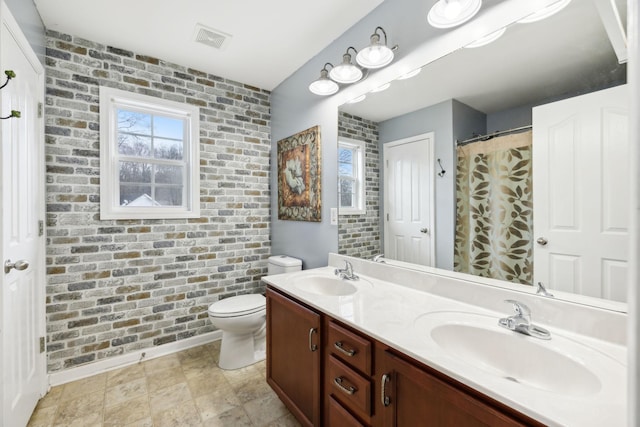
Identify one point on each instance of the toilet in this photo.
(242, 320)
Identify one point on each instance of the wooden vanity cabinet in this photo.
(412, 396)
(294, 356)
(329, 374)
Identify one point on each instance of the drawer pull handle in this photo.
(386, 401)
(338, 345)
(312, 346)
(349, 390)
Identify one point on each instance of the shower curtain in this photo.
(494, 209)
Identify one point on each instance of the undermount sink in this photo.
(556, 366)
(325, 285)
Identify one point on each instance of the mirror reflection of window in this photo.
(351, 176)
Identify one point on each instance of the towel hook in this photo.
(442, 171)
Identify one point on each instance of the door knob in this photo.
(542, 241)
(424, 230)
(18, 265)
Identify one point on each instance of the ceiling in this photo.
(269, 40)
(568, 53)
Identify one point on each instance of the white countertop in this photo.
(394, 314)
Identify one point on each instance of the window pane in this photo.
(135, 172)
(167, 149)
(165, 127)
(136, 195)
(345, 169)
(345, 155)
(134, 145)
(346, 200)
(169, 196)
(134, 122)
(169, 174)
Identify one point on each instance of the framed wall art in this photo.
(299, 176)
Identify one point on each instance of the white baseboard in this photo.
(73, 374)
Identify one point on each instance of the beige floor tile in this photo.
(169, 397)
(265, 410)
(146, 422)
(208, 382)
(236, 417)
(158, 380)
(195, 353)
(178, 416)
(89, 420)
(126, 391)
(43, 417)
(287, 421)
(80, 406)
(196, 367)
(84, 386)
(124, 375)
(135, 410)
(220, 401)
(241, 374)
(161, 363)
(52, 398)
(252, 388)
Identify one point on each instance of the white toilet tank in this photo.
(283, 264)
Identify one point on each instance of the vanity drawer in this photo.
(340, 417)
(350, 348)
(349, 387)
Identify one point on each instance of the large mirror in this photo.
(466, 99)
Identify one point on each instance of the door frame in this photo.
(9, 22)
(431, 137)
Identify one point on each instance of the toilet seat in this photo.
(240, 305)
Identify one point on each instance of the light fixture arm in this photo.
(375, 33)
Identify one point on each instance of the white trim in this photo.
(110, 100)
(112, 363)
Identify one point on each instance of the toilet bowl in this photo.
(242, 320)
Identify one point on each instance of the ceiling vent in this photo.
(211, 37)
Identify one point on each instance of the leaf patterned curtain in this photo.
(494, 209)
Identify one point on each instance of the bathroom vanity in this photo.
(405, 348)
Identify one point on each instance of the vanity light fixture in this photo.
(324, 85)
(489, 38)
(376, 55)
(346, 72)
(410, 74)
(552, 9)
(451, 13)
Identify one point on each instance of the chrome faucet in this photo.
(378, 258)
(346, 272)
(541, 290)
(521, 322)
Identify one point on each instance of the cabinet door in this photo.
(414, 397)
(293, 356)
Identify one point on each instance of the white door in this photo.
(23, 366)
(408, 200)
(581, 194)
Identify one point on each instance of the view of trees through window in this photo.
(151, 159)
(346, 180)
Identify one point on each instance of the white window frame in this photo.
(358, 148)
(111, 100)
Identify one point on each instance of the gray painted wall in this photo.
(25, 13)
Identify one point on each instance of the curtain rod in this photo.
(492, 135)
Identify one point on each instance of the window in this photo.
(351, 177)
(149, 157)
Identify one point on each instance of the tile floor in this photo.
(183, 389)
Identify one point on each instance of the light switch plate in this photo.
(334, 216)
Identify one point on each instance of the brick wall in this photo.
(118, 286)
(359, 235)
